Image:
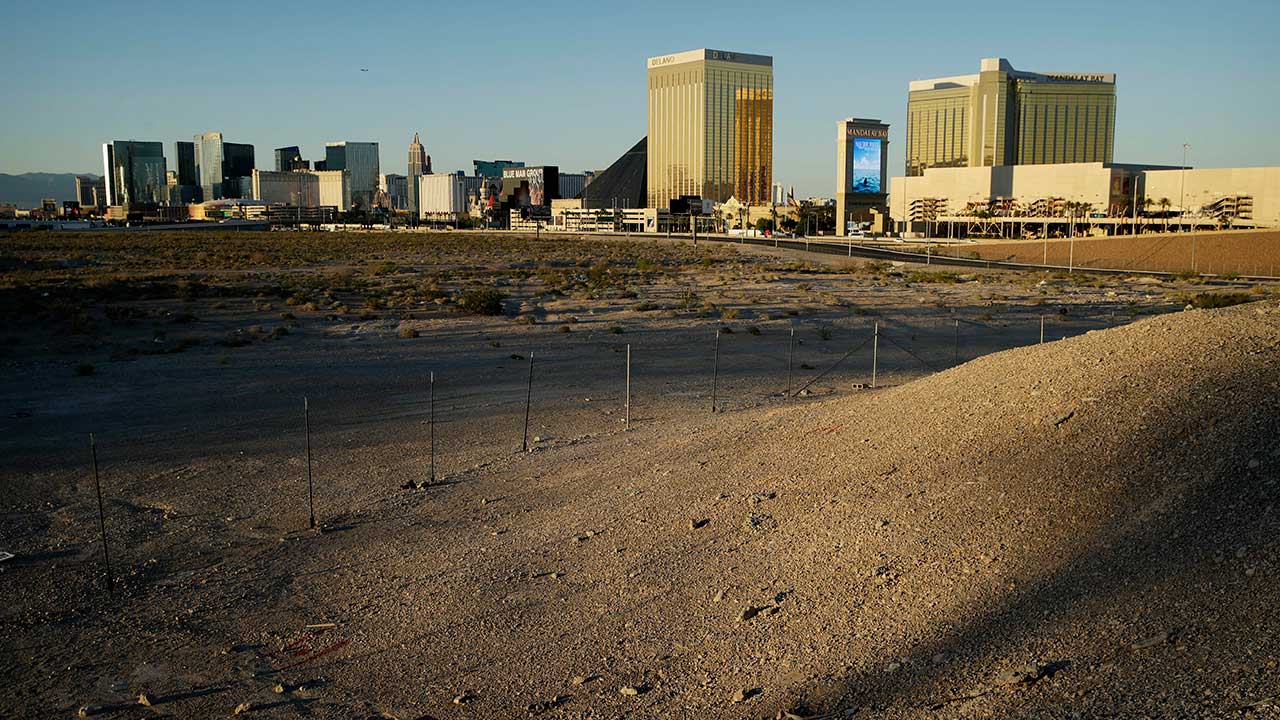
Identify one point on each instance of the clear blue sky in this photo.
(563, 83)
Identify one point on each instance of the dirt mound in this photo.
(1087, 526)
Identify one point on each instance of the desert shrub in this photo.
(645, 306)
(923, 276)
(527, 320)
(565, 329)
(598, 276)
(688, 300)
(730, 314)
(482, 301)
(616, 330)
(753, 330)
(407, 332)
(1219, 300)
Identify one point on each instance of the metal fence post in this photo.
(628, 386)
(102, 514)
(715, 372)
(956, 355)
(431, 427)
(875, 354)
(528, 399)
(791, 359)
(1041, 329)
(306, 426)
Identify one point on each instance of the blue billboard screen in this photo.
(866, 166)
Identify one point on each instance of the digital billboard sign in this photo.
(866, 166)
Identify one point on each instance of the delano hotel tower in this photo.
(1003, 116)
(710, 127)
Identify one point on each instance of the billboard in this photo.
(865, 170)
(525, 186)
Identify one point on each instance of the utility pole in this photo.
(1183, 203)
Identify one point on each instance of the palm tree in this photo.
(1164, 212)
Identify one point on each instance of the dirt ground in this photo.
(1254, 253)
(1078, 528)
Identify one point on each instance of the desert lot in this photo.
(1000, 527)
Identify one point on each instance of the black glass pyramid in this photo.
(624, 184)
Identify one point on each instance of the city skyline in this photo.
(1180, 83)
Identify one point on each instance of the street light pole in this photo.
(1183, 203)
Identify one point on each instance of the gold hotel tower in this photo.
(1004, 116)
(710, 127)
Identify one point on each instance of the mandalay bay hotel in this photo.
(710, 127)
(1004, 116)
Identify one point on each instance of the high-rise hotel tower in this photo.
(419, 165)
(1003, 116)
(710, 127)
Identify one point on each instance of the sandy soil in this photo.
(1242, 252)
(1079, 528)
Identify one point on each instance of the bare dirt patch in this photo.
(1009, 537)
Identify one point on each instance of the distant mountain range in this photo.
(28, 189)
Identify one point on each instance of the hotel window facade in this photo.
(710, 127)
(1003, 116)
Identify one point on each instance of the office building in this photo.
(134, 172)
(289, 159)
(297, 188)
(91, 192)
(710, 127)
(419, 165)
(237, 170)
(185, 154)
(208, 164)
(360, 160)
(222, 169)
(862, 171)
(1003, 116)
(494, 168)
(396, 189)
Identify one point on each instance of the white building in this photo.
(289, 188)
(1025, 190)
(1250, 196)
(446, 196)
(335, 188)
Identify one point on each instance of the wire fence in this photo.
(451, 424)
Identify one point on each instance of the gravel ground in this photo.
(1078, 529)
